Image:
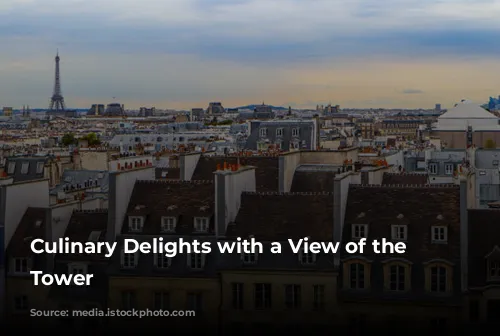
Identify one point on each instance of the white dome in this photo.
(466, 109)
(465, 114)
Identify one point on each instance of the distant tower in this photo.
(57, 100)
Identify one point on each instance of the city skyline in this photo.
(183, 54)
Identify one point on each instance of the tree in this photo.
(490, 144)
(68, 139)
(92, 139)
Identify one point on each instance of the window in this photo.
(135, 224)
(438, 279)
(162, 261)
(168, 224)
(279, 132)
(439, 234)
(262, 296)
(162, 300)
(21, 265)
(292, 296)
(357, 276)
(196, 260)
(201, 224)
(194, 302)
(319, 297)
(21, 303)
(77, 269)
(399, 232)
(39, 167)
(307, 258)
(448, 169)
(494, 269)
(129, 260)
(433, 168)
(25, 168)
(295, 132)
(359, 231)
(249, 258)
(11, 168)
(397, 278)
(237, 290)
(263, 132)
(128, 300)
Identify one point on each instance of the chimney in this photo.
(49, 258)
(229, 185)
(464, 234)
(340, 192)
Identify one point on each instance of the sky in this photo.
(182, 54)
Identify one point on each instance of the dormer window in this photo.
(39, 167)
(399, 232)
(295, 132)
(279, 132)
(77, 269)
(25, 168)
(196, 261)
(493, 262)
(433, 168)
(263, 132)
(129, 260)
(307, 258)
(494, 270)
(448, 169)
(162, 261)
(201, 224)
(21, 265)
(136, 224)
(11, 168)
(168, 224)
(359, 231)
(249, 258)
(439, 234)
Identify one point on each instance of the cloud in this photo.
(412, 91)
(191, 50)
(258, 30)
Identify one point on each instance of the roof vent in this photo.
(361, 215)
(139, 207)
(38, 223)
(204, 208)
(440, 217)
(171, 207)
(401, 216)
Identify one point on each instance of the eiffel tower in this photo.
(57, 100)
